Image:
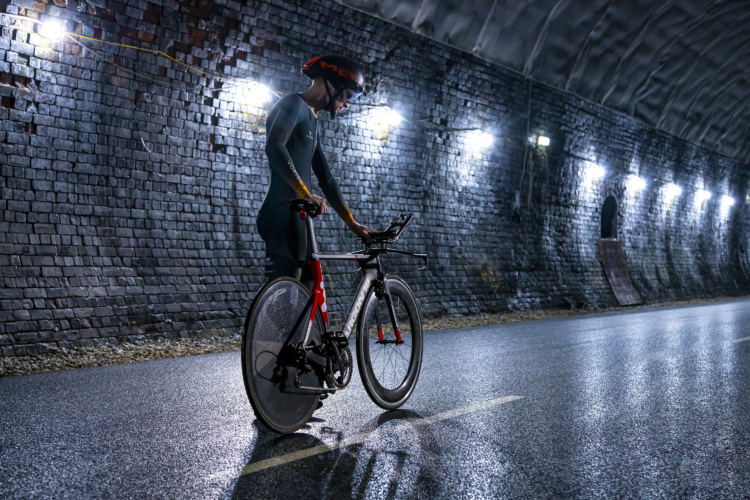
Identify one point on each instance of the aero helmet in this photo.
(342, 72)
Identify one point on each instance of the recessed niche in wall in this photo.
(609, 218)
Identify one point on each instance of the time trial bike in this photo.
(290, 357)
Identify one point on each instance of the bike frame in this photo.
(369, 261)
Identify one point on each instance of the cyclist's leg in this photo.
(280, 265)
(306, 275)
(286, 244)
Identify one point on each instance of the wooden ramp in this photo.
(616, 269)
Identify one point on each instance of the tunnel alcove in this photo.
(609, 218)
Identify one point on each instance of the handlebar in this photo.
(394, 229)
(389, 235)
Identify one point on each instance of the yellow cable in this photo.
(152, 51)
(130, 71)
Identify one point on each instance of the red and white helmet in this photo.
(342, 72)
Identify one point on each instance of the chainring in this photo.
(340, 367)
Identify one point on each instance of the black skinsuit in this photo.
(294, 152)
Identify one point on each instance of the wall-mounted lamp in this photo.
(595, 172)
(386, 117)
(727, 201)
(477, 141)
(702, 195)
(254, 94)
(542, 141)
(636, 183)
(51, 30)
(672, 191)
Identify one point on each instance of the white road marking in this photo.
(739, 340)
(361, 438)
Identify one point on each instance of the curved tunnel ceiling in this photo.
(680, 66)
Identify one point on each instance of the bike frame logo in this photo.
(359, 301)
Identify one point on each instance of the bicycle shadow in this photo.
(407, 463)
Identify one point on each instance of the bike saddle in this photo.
(299, 204)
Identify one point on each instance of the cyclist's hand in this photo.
(362, 231)
(319, 201)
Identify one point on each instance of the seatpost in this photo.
(311, 232)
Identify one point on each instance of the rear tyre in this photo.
(275, 324)
(389, 371)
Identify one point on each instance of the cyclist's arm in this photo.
(278, 156)
(329, 186)
(333, 194)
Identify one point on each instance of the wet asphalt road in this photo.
(641, 404)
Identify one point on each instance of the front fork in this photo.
(382, 290)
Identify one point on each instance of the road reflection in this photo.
(383, 464)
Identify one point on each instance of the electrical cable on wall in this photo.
(75, 36)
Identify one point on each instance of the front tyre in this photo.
(390, 370)
(275, 324)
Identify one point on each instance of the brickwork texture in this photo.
(130, 183)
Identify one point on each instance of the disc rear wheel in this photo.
(275, 324)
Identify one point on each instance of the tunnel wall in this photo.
(130, 183)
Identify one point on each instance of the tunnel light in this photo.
(636, 183)
(727, 201)
(542, 141)
(52, 31)
(479, 140)
(254, 94)
(672, 191)
(595, 172)
(386, 117)
(702, 195)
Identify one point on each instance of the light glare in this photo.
(542, 141)
(702, 195)
(636, 183)
(255, 94)
(387, 117)
(672, 191)
(727, 201)
(480, 139)
(52, 31)
(595, 172)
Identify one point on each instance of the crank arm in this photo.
(317, 360)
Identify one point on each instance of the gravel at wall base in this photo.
(172, 348)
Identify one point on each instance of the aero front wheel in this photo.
(389, 370)
(275, 324)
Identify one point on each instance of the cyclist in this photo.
(294, 152)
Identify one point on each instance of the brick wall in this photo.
(130, 183)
